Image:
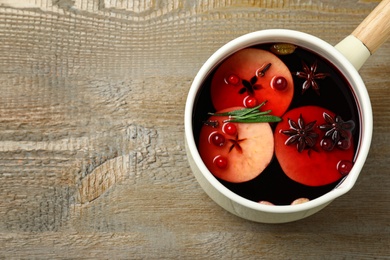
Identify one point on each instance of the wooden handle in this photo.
(375, 29)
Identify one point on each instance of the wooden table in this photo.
(92, 158)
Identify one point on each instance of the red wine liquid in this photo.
(336, 95)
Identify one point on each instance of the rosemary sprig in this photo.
(249, 115)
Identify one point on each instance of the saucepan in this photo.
(346, 58)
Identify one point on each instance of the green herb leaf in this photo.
(259, 119)
(249, 115)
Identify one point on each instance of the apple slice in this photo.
(305, 149)
(235, 152)
(250, 76)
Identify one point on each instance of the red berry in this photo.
(220, 161)
(279, 83)
(229, 128)
(232, 79)
(344, 144)
(217, 139)
(344, 167)
(327, 144)
(250, 102)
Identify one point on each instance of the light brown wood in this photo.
(92, 158)
(375, 29)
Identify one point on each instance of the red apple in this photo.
(305, 149)
(235, 152)
(249, 77)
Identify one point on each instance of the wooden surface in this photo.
(92, 160)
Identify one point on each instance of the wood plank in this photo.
(92, 157)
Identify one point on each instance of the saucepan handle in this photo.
(368, 36)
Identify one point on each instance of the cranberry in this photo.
(220, 161)
(250, 102)
(344, 144)
(344, 167)
(232, 79)
(217, 139)
(279, 83)
(229, 128)
(327, 144)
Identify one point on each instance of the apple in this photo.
(249, 77)
(235, 152)
(314, 146)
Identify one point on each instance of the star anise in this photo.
(311, 76)
(301, 134)
(236, 144)
(250, 86)
(338, 130)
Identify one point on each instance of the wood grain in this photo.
(92, 158)
(375, 28)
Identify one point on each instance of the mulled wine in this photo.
(277, 124)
